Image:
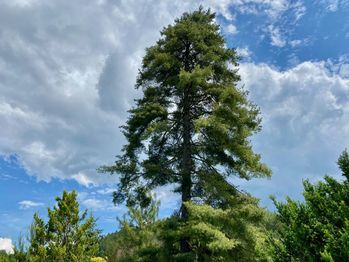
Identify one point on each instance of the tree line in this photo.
(191, 129)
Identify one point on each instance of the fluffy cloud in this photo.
(305, 113)
(244, 53)
(344, 71)
(26, 204)
(68, 69)
(305, 99)
(6, 244)
(231, 29)
(48, 99)
(97, 204)
(106, 191)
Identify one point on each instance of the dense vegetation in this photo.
(191, 129)
(318, 228)
(238, 233)
(68, 235)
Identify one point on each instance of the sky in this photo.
(67, 75)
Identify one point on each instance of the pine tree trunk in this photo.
(186, 162)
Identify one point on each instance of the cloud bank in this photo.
(68, 69)
(305, 112)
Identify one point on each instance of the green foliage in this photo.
(192, 125)
(139, 216)
(4, 257)
(98, 259)
(234, 234)
(318, 228)
(20, 253)
(137, 238)
(67, 236)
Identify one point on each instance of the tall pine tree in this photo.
(192, 126)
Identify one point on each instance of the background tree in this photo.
(137, 238)
(20, 250)
(4, 257)
(38, 240)
(318, 228)
(67, 236)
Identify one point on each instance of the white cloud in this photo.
(244, 52)
(277, 7)
(331, 5)
(344, 71)
(6, 244)
(283, 22)
(334, 5)
(273, 8)
(50, 114)
(98, 203)
(298, 9)
(26, 204)
(277, 39)
(169, 201)
(305, 112)
(231, 29)
(295, 42)
(106, 191)
(310, 86)
(83, 179)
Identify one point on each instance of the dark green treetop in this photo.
(192, 125)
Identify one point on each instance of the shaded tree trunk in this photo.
(187, 164)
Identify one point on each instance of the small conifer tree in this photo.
(68, 236)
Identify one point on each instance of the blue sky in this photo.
(67, 71)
